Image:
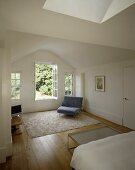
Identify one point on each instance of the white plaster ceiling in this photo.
(79, 42)
(29, 16)
(77, 54)
(92, 10)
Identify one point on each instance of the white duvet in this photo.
(111, 153)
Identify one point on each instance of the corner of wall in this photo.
(9, 149)
(5, 152)
(3, 155)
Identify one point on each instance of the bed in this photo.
(111, 153)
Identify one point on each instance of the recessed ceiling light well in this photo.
(91, 10)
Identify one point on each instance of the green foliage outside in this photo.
(15, 85)
(44, 79)
(15, 93)
(68, 84)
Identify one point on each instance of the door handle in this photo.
(125, 98)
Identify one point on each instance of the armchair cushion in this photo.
(68, 110)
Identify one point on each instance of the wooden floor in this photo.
(47, 152)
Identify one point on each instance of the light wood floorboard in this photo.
(47, 152)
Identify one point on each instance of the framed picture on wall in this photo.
(100, 83)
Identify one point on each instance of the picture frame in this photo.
(100, 83)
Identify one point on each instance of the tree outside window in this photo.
(46, 81)
(15, 86)
(68, 84)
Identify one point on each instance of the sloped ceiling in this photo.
(29, 16)
(81, 43)
(92, 10)
(76, 54)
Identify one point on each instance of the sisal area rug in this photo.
(50, 122)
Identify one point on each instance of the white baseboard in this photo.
(5, 152)
(3, 155)
(9, 149)
(108, 116)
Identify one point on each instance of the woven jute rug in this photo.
(50, 122)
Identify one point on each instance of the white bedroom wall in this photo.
(2, 117)
(5, 115)
(80, 84)
(108, 104)
(26, 67)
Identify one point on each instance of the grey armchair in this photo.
(71, 105)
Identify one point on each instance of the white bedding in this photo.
(111, 153)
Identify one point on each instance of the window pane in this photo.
(44, 81)
(17, 95)
(55, 93)
(17, 89)
(13, 82)
(12, 75)
(68, 84)
(13, 94)
(55, 85)
(17, 82)
(17, 75)
(15, 85)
